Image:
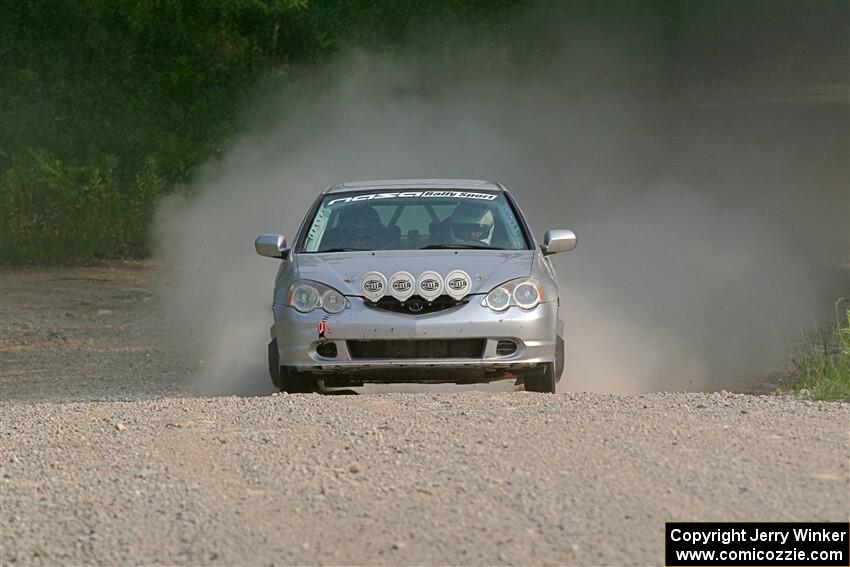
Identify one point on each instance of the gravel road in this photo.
(106, 463)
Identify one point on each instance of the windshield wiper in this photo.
(341, 250)
(459, 246)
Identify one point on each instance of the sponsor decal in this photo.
(458, 284)
(415, 195)
(373, 286)
(429, 285)
(402, 285)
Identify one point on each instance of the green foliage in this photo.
(822, 361)
(106, 104)
(57, 211)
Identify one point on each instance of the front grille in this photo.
(415, 305)
(418, 348)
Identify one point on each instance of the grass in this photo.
(822, 360)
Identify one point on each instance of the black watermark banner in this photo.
(810, 544)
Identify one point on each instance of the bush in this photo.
(58, 211)
(822, 360)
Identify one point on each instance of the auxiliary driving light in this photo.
(373, 286)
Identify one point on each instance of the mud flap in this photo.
(274, 364)
(559, 357)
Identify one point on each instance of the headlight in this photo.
(499, 299)
(526, 295)
(523, 292)
(305, 296)
(333, 301)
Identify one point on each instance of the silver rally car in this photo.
(415, 280)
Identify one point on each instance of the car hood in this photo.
(345, 270)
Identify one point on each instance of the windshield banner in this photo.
(416, 194)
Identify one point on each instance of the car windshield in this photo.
(414, 220)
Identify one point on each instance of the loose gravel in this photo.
(135, 471)
(471, 478)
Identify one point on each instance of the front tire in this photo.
(295, 382)
(541, 379)
(286, 378)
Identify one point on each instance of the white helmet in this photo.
(471, 223)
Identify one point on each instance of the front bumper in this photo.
(533, 332)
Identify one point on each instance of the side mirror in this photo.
(271, 245)
(558, 240)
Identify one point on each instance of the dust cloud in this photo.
(711, 206)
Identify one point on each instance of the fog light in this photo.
(326, 350)
(505, 347)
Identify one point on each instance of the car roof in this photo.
(477, 184)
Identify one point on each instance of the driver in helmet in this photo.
(471, 223)
(360, 227)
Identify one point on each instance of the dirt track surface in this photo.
(106, 458)
(84, 333)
